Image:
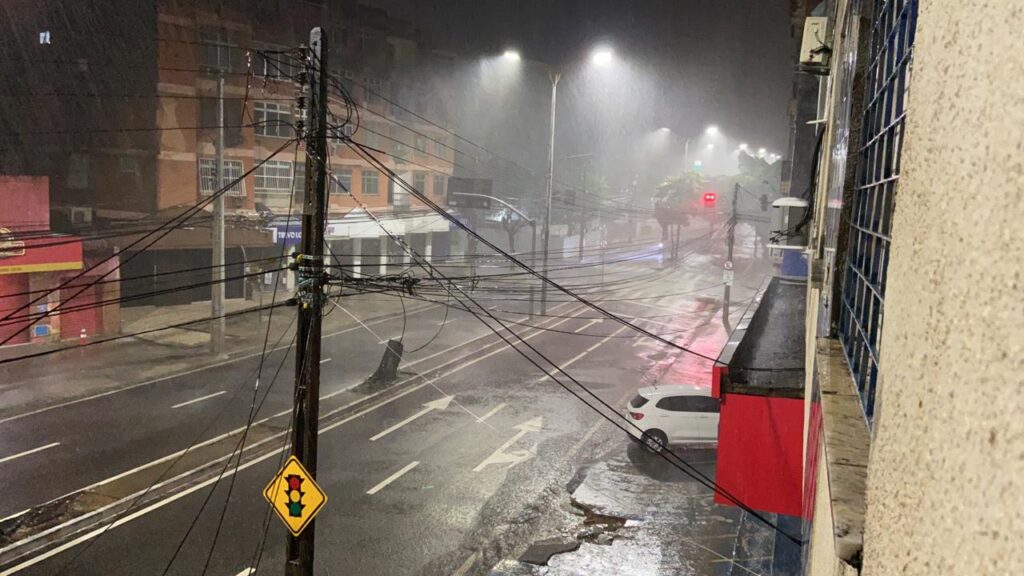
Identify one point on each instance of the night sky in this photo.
(726, 62)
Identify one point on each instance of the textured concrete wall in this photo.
(946, 474)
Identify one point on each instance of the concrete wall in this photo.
(946, 474)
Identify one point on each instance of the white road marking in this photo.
(582, 354)
(493, 411)
(200, 399)
(461, 570)
(392, 478)
(246, 572)
(499, 456)
(439, 404)
(141, 512)
(325, 360)
(15, 515)
(27, 452)
(587, 325)
(253, 446)
(192, 371)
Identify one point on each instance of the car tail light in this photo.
(637, 415)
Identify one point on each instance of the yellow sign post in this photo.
(295, 496)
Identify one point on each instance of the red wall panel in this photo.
(760, 440)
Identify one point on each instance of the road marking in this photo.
(499, 456)
(15, 515)
(325, 360)
(27, 452)
(246, 572)
(504, 346)
(194, 370)
(392, 478)
(587, 325)
(141, 512)
(493, 411)
(461, 570)
(439, 404)
(582, 354)
(200, 399)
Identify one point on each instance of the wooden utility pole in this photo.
(310, 264)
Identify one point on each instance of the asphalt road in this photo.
(411, 484)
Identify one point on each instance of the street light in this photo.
(710, 146)
(711, 130)
(512, 55)
(761, 152)
(602, 56)
(743, 146)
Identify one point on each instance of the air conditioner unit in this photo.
(814, 48)
(81, 215)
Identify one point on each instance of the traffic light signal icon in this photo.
(295, 494)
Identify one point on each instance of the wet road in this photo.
(472, 439)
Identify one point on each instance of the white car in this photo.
(673, 414)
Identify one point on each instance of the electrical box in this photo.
(814, 50)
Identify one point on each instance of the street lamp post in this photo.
(555, 77)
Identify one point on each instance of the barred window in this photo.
(208, 177)
(438, 185)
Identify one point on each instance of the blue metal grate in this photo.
(878, 169)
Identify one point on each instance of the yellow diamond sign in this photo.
(295, 496)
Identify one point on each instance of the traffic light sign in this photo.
(295, 496)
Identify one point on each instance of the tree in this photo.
(512, 223)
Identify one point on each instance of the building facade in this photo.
(912, 431)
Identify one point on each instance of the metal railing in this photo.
(878, 169)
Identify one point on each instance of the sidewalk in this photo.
(631, 512)
(81, 372)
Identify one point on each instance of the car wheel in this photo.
(654, 440)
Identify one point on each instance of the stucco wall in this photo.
(946, 474)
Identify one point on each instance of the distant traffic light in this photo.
(710, 198)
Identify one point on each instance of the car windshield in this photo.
(638, 401)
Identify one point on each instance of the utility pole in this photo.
(728, 258)
(583, 212)
(217, 259)
(555, 76)
(310, 264)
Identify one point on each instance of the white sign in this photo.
(727, 276)
(727, 265)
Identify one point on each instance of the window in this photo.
(371, 135)
(215, 51)
(688, 404)
(274, 62)
(419, 182)
(128, 173)
(638, 401)
(420, 143)
(373, 88)
(208, 177)
(438, 185)
(862, 309)
(78, 171)
(440, 147)
(371, 183)
(400, 149)
(274, 177)
(342, 177)
(272, 119)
